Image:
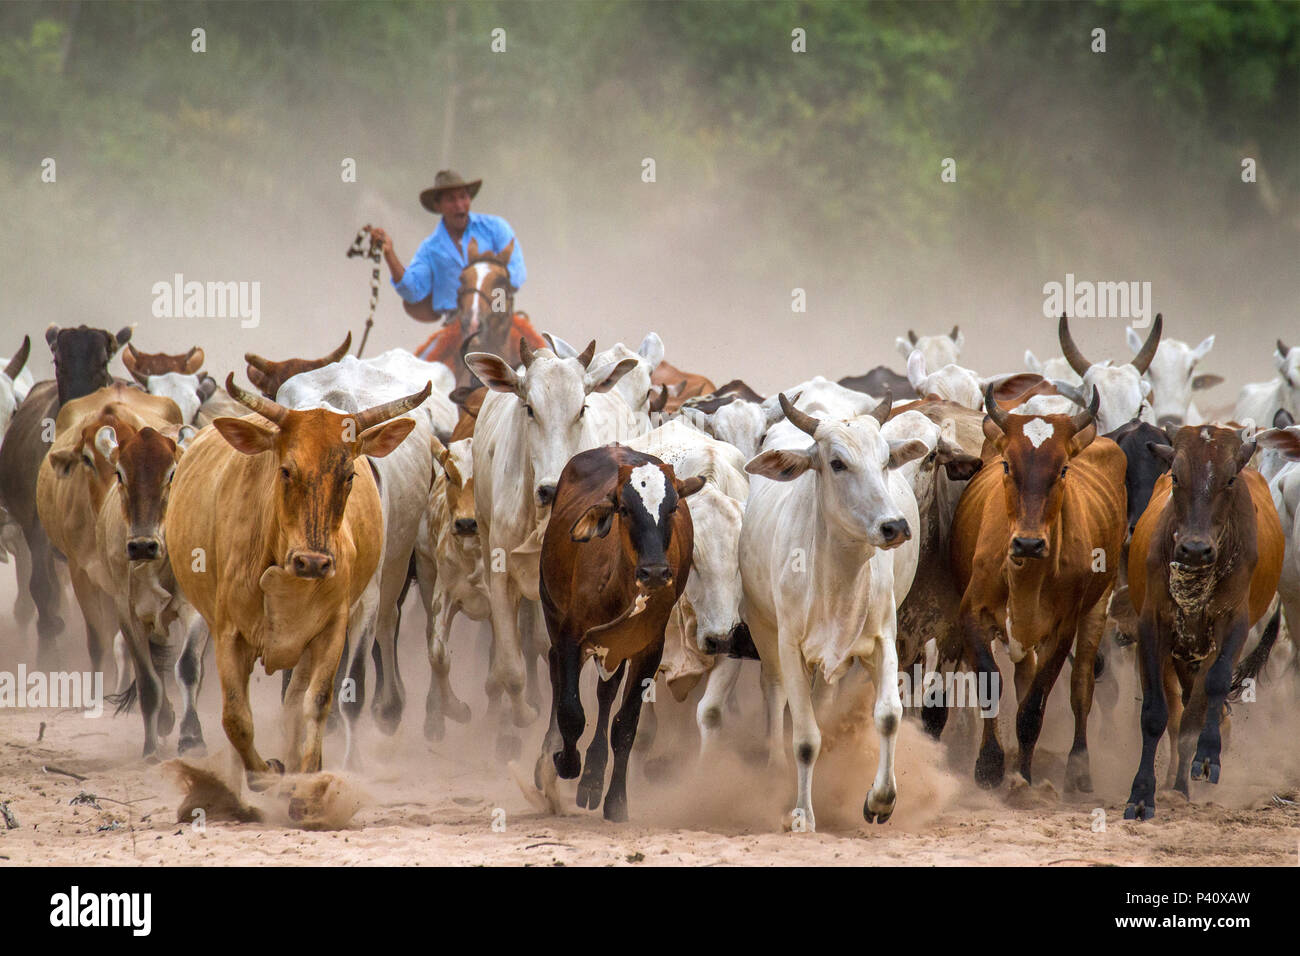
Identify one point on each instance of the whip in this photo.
(373, 254)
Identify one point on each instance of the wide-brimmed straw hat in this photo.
(446, 179)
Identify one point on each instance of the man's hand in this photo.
(380, 238)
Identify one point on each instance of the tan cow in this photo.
(276, 530)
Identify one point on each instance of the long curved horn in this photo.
(399, 406)
(995, 411)
(131, 359)
(1089, 414)
(339, 352)
(1143, 358)
(1069, 349)
(263, 406)
(587, 354)
(259, 363)
(1282, 348)
(911, 336)
(20, 358)
(800, 420)
(193, 360)
(526, 355)
(881, 412)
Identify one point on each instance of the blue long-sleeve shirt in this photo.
(437, 264)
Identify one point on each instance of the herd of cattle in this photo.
(606, 505)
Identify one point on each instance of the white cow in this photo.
(1172, 381)
(706, 620)
(351, 385)
(939, 350)
(826, 557)
(1057, 368)
(531, 423)
(1260, 401)
(1123, 390)
(737, 421)
(15, 383)
(635, 386)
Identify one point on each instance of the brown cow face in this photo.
(645, 502)
(81, 358)
(316, 456)
(144, 465)
(86, 461)
(1204, 464)
(459, 489)
(1036, 452)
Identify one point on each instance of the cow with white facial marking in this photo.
(1173, 378)
(616, 557)
(1122, 390)
(530, 424)
(1035, 544)
(827, 555)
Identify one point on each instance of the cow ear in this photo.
(916, 369)
(958, 465)
(64, 461)
(494, 372)
(207, 388)
(1083, 438)
(1206, 381)
(901, 452)
(1246, 452)
(1032, 363)
(51, 335)
(1164, 452)
(595, 522)
(245, 437)
(381, 439)
(779, 464)
(184, 435)
(193, 361)
(106, 444)
(652, 350)
(123, 336)
(658, 398)
(609, 381)
(1134, 340)
(1284, 440)
(1011, 387)
(688, 487)
(1283, 419)
(904, 347)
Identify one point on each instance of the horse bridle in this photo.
(475, 290)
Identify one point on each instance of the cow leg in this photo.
(544, 771)
(533, 643)
(888, 714)
(122, 662)
(390, 692)
(352, 692)
(442, 701)
(991, 763)
(774, 701)
(623, 733)
(807, 736)
(1153, 649)
(47, 593)
(506, 662)
(1178, 769)
(148, 685)
(720, 682)
(592, 783)
(1029, 715)
(934, 716)
(1078, 776)
(326, 650)
(24, 605)
(235, 658)
(566, 669)
(100, 615)
(1205, 765)
(189, 675)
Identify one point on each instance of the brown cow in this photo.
(608, 596)
(1036, 543)
(1203, 567)
(681, 385)
(275, 530)
(143, 364)
(268, 376)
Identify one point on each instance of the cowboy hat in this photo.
(446, 179)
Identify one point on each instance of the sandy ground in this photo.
(422, 803)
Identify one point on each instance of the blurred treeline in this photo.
(841, 144)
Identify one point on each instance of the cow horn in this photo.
(1282, 348)
(1143, 358)
(800, 420)
(339, 352)
(551, 342)
(526, 355)
(911, 336)
(881, 412)
(1089, 414)
(956, 330)
(131, 358)
(587, 354)
(265, 407)
(20, 358)
(1069, 349)
(995, 411)
(400, 406)
(193, 360)
(259, 363)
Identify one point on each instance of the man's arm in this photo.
(414, 283)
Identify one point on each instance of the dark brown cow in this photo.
(608, 595)
(268, 376)
(143, 364)
(1036, 543)
(81, 358)
(682, 385)
(1203, 568)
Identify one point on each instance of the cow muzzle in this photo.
(545, 495)
(311, 564)
(145, 548)
(894, 532)
(1195, 552)
(739, 643)
(465, 527)
(1028, 547)
(650, 577)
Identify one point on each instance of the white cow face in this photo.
(851, 461)
(939, 350)
(634, 386)
(714, 586)
(1054, 368)
(181, 389)
(1288, 366)
(1123, 395)
(952, 383)
(552, 394)
(739, 423)
(1173, 378)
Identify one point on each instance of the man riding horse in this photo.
(465, 275)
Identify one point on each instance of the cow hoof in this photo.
(797, 821)
(191, 745)
(151, 756)
(388, 720)
(509, 747)
(872, 817)
(615, 810)
(567, 763)
(589, 788)
(1139, 811)
(1078, 779)
(1204, 768)
(166, 720)
(258, 782)
(990, 768)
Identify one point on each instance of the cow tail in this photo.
(124, 701)
(1255, 661)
